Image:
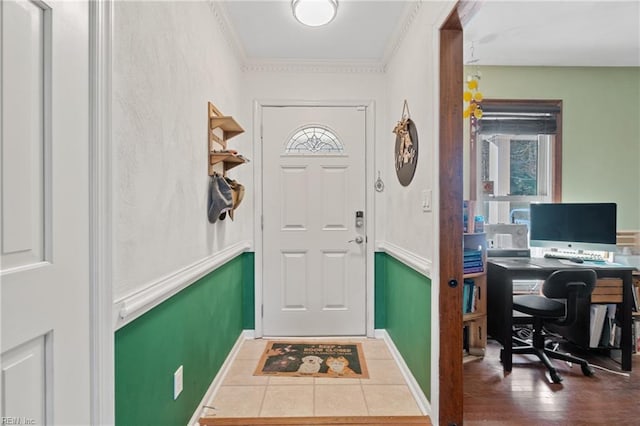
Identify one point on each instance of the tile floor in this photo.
(384, 393)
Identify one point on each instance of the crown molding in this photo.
(224, 24)
(410, 14)
(314, 66)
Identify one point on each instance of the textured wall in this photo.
(170, 58)
(412, 75)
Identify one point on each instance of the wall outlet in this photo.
(177, 383)
(426, 200)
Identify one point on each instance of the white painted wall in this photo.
(170, 59)
(412, 75)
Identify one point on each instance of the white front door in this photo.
(314, 245)
(44, 207)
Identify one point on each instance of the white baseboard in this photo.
(217, 381)
(414, 387)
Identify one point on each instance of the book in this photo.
(472, 263)
(474, 298)
(467, 296)
(608, 327)
(471, 254)
(473, 270)
(596, 322)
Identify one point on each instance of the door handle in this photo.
(357, 240)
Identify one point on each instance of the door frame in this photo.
(258, 106)
(102, 375)
(450, 152)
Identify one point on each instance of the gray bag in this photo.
(220, 197)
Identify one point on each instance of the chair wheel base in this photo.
(587, 370)
(555, 377)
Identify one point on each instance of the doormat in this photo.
(313, 359)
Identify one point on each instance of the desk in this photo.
(500, 275)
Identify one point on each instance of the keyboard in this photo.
(574, 257)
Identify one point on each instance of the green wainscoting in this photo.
(197, 329)
(403, 308)
(248, 291)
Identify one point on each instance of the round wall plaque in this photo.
(406, 152)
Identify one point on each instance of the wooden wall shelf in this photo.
(230, 128)
(228, 160)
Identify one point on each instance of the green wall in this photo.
(403, 308)
(601, 128)
(197, 329)
(248, 291)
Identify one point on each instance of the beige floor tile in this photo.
(383, 372)
(251, 349)
(288, 400)
(390, 400)
(337, 400)
(338, 381)
(241, 373)
(237, 401)
(376, 349)
(284, 380)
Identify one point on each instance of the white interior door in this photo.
(314, 252)
(44, 206)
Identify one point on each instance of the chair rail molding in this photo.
(414, 261)
(130, 307)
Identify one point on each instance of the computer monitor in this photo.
(580, 226)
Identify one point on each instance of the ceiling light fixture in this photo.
(314, 13)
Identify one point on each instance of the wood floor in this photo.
(527, 397)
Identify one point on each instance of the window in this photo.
(516, 158)
(314, 140)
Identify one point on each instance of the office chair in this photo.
(568, 284)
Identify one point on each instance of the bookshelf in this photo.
(474, 303)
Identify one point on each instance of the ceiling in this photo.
(362, 31)
(516, 32)
(561, 33)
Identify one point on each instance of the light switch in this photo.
(426, 200)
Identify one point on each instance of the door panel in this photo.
(334, 280)
(294, 198)
(23, 77)
(334, 188)
(314, 273)
(44, 345)
(24, 381)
